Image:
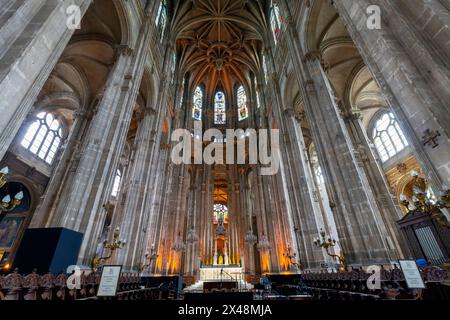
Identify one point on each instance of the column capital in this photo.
(289, 112)
(312, 56)
(80, 114)
(351, 116)
(309, 86)
(125, 50)
(290, 21)
(149, 111)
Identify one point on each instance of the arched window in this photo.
(116, 185)
(219, 108)
(242, 104)
(198, 104)
(258, 97)
(43, 137)
(182, 93)
(388, 137)
(266, 69)
(319, 175)
(161, 18)
(258, 101)
(276, 20)
(174, 64)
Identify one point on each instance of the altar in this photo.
(221, 273)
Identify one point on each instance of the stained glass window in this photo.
(219, 108)
(388, 137)
(220, 212)
(161, 18)
(198, 104)
(276, 20)
(242, 104)
(43, 137)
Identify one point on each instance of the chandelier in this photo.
(250, 238)
(178, 245)
(421, 201)
(263, 244)
(192, 236)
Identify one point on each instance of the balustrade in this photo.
(33, 286)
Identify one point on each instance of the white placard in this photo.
(109, 281)
(412, 274)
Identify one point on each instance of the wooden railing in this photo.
(15, 286)
(354, 284)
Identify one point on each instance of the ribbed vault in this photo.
(218, 41)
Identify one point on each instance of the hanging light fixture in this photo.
(178, 245)
(250, 238)
(263, 244)
(192, 236)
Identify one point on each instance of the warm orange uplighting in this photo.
(284, 263)
(174, 265)
(265, 262)
(7, 267)
(158, 275)
(159, 263)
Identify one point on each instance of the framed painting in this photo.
(10, 226)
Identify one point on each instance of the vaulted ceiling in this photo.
(350, 79)
(219, 41)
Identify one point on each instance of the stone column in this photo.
(358, 218)
(390, 211)
(269, 259)
(61, 174)
(362, 232)
(192, 226)
(431, 21)
(144, 221)
(237, 209)
(155, 202)
(31, 40)
(409, 80)
(80, 208)
(309, 215)
(423, 28)
(296, 181)
(134, 216)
